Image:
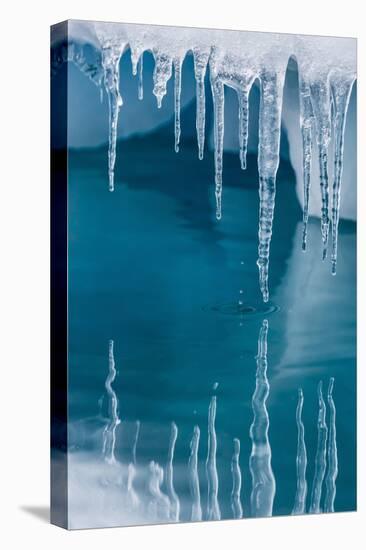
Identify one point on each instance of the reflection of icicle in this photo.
(135, 501)
(243, 126)
(301, 460)
(213, 508)
(268, 159)
(137, 433)
(320, 459)
(306, 123)
(109, 434)
(140, 72)
(263, 480)
(200, 66)
(174, 500)
(341, 95)
(111, 55)
(320, 99)
(218, 99)
(159, 504)
(194, 482)
(330, 480)
(177, 93)
(162, 73)
(236, 474)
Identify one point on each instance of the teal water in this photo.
(153, 270)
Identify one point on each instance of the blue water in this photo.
(151, 269)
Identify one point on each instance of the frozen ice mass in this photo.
(238, 59)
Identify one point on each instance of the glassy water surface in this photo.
(189, 398)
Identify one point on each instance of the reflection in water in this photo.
(109, 434)
(330, 481)
(133, 493)
(301, 460)
(213, 508)
(263, 481)
(159, 505)
(320, 459)
(236, 474)
(174, 501)
(134, 448)
(196, 513)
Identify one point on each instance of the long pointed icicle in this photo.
(174, 500)
(162, 73)
(306, 125)
(194, 483)
(341, 97)
(301, 461)
(243, 97)
(320, 458)
(263, 480)
(111, 55)
(268, 161)
(330, 480)
(177, 94)
(320, 98)
(213, 508)
(140, 72)
(218, 100)
(109, 433)
(200, 67)
(236, 475)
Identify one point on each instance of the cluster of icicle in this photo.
(166, 505)
(327, 71)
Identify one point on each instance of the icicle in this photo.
(109, 433)
(200, 66)
(320, 99)
(268, 160)
(111, 55)
(159, 505)
(330, 480)
(162, 73)
(134, 448)
(306, 125)
(236, 475)
(141, 77)
(101, 95)
(263, 480)
(213, 508)
(341, 96)
(243, 97)
(301, 461)
(218, 100)
(320, 459)
(177, 93)
(174, 500)
(194, 483)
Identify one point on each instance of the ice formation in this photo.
(174, 500)
(213, 507)
(327, 71)
(330, 480)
